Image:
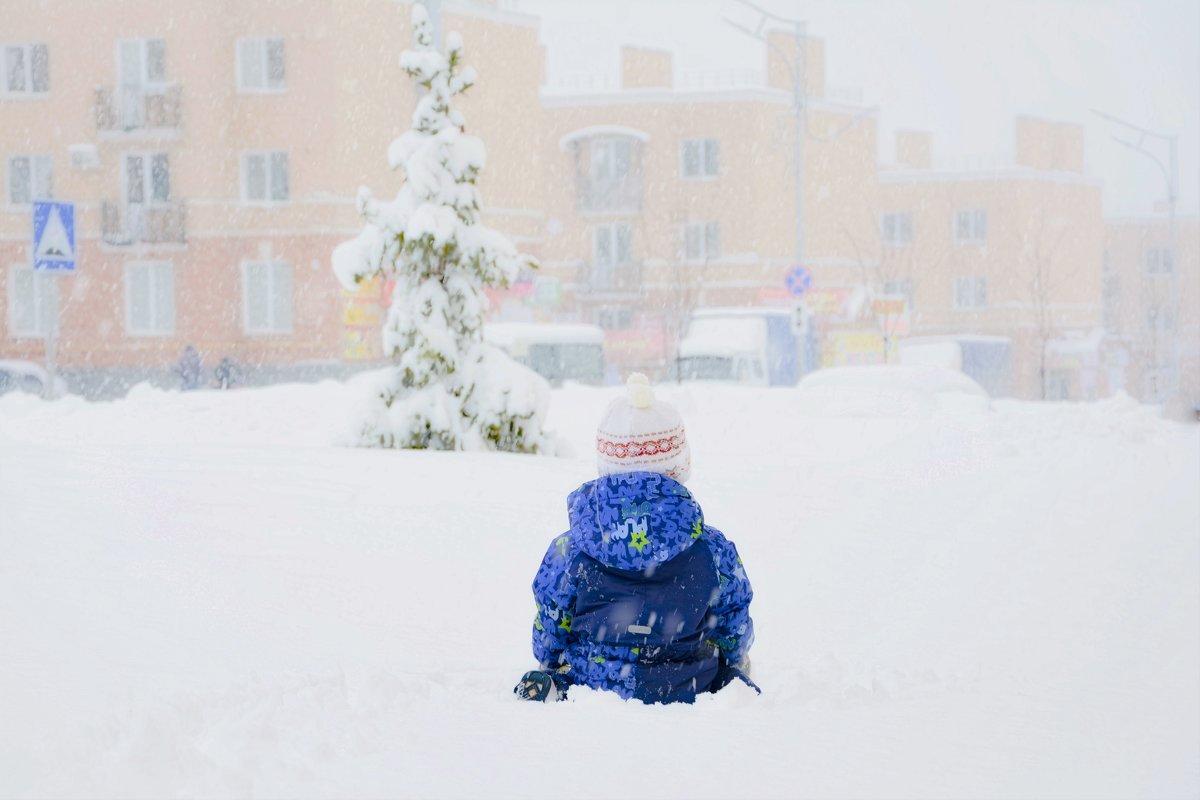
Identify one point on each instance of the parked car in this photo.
(26, 376)
(986, 359)
(558, 352)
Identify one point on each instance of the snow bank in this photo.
(893, 390)
(200, 595)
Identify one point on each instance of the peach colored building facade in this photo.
(213, 152)
(1152, 306)
(662, 199)
(1010, 250)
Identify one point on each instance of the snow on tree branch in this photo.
(447, 390)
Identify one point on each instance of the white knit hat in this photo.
(640, 434)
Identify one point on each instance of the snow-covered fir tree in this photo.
(447, 390)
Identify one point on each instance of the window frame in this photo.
(28, 93)
(34, 159)
(148, 199)
(147, 84)
(610, 269)
(706, 233)
(611, 143)
(154, 330)
(977, 281)
(977, 220)
(263, 46)
(704, 144)
(45, 287)
(273, 328)
(896, 217)
(1159, 260)
(243, 175)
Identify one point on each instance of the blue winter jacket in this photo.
(640, 596)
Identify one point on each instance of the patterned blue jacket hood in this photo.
(634, 520)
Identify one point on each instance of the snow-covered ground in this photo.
(203, 595)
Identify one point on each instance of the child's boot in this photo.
(536, 685)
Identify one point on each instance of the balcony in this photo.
(595, 278)
(123, 109)
(161, 223)
(608, 195)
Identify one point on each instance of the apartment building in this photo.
(662, 197)
(213, 151)
(1011, 249)
(1151, 304)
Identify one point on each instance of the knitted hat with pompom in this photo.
(640, 434)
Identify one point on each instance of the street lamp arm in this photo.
(769, 15)
(1162, 167)
(1129, 125)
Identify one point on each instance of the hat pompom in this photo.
(640, 393)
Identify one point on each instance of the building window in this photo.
(141, 63)
(149, 299)
(261, 65)
(970, 292)
(1058, 384)
(611, 249)
(30, 178)
(899, 288)
(896, 229)
(1160, 318)
(32, 302)
(612, 159)
(970, 225)
(1112, 302)
(1160, 261)
(147, 178)
(265, 177)
(26, 70)
(701, 159)
(614, 318)
(267, 290)
(701, 241)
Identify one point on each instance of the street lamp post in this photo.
(1170, 173)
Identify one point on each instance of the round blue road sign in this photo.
(799, 280)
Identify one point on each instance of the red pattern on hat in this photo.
(639, 447)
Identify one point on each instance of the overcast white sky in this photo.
(959, 68)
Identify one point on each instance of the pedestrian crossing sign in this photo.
(54, 236)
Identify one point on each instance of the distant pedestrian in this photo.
(189, 369)
(227, 374)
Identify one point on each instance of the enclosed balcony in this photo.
(608, 169)
(599, 278)
(612, 195)
(159, 223)
(140, 108)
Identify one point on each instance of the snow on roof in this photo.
(726, 336)
(1077, 344)
(508, 334)
(742, 311)
(955, 337)
(602, 130)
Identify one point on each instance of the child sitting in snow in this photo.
(639, 597)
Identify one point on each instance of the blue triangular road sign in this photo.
(54, 236)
